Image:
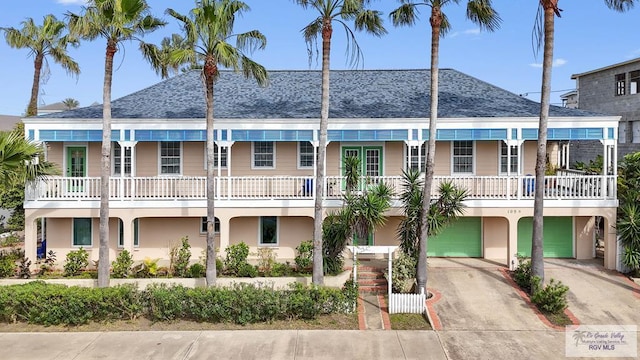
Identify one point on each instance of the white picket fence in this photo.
(407, 303)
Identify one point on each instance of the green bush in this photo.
(24, 268)
(247, 270)
(280, 269)
(236, 259)
(552, 298)
(148, 268)
(522, 274)
(403, 273)
(7, 267)
(304, 257)
(76, 261)
(121, 266)
(46, 264)
(196, 270)
(180, 258)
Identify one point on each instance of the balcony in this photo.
(560, 187)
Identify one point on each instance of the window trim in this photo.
(473, 158)
(253, 156)
(73, 233)
(423, 164)
(203, 225)
(225, 155)
(136, 234)
(160, 158)
(637, 81)
(518, 158)
(313, 155)
(260, 243)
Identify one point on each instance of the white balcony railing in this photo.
(302, 187)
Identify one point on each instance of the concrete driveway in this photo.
(596, 296)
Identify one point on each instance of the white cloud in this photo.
(71, 2)
(556, 63)
(475, 31)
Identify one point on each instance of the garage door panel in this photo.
(463, 238)
(557, 234)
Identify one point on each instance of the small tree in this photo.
(628, 223)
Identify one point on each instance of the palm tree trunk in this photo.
(32, 109)
(318, 272)
(105, 170)
(421, 272)
(209, 71)
(537, 255)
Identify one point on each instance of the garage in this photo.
(463, 238)
(557, 234)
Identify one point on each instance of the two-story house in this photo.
(614, 90)
(266, 145)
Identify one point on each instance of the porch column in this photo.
(124, 145)
(30, 237)
(224, 234)
(610, 242)
(512, 245)
(226, 145)
(127, 234)
(608, 144)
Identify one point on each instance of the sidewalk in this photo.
(242, 344)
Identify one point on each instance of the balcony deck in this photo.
(516, 187)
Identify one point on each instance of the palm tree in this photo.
(70, 103)
(481, 13)
(115, 21)
(46, 40)
(19, 160)
(208, 31)
(330, 11)
(160, 57)
(543, 35)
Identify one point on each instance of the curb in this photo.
(431, 312)
(540, 315)
(384, 312)
(636, 288)
(362, 323)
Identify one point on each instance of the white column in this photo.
(224, 233)
(127, 234)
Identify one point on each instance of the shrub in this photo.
(196, 270)
(266, 260)
(180, 258)
(403, 273)
(10, 241)
(304, 257)
(76, 261)
(522, 274)
(147, 268)
(236, 259)
(7, 267)
(46, 264)
(121, 266)
(552, 298)
(280, 269)
(247, 270)
(24, 268)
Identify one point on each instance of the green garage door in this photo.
(463, 238)
(557, 233)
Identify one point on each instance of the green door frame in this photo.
(75, 153)
(362, 154)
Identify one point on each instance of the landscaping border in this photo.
(433, 317)
(527, 299)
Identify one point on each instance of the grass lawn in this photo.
(326, 322)
(409, 322)
(558, 319)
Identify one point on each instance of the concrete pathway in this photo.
(372, 312)
(596, 296)
(242, 345)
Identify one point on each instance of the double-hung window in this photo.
(203, 225)
(418, 156)
(117, 160)
(268, 230)
(264, 154)
(634, 82)
(82, 232)
(462, 157)
(504, 159)
(170, 157)
(305, 155)
(621, 84)
(223, 156)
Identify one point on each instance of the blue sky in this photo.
(504, 58)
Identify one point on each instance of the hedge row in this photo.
(51, 304)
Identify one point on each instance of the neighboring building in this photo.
(266, 142)
(613, 90)
(8, 122)
(52, 108)
(570, 99)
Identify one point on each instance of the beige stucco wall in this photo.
(529, 150)
(146, 159)
(59, 238)
(443, 158)
(387, 234)
(487, 158)
(584, 234)
(291, 232)
(495, 233)
(193, 159)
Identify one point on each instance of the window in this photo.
(268, 230)
(413, 157)
(82, 232)
(203, 225)
(117, 160)
(634, 82)
(305, 154)
(223, 156)
(136, 238)
(621, 85)
(263, 154)
(504, 158)
(463, 157)
(170, 157)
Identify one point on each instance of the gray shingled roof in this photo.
(296, 94)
